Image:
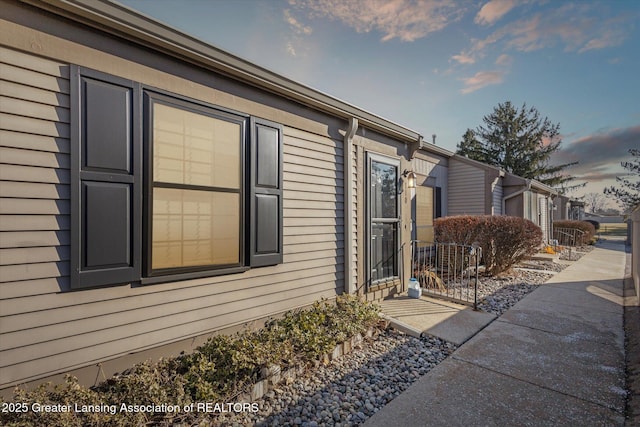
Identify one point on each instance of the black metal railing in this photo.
(568, 236)
(447, 270)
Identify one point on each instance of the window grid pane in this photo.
(383, 220)
(195, 149)
(195, 228)
(383, 190)
(384, 254)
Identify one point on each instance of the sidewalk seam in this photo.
(551, 332)
(538, 385)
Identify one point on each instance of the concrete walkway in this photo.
(555, 358)
(452, 322)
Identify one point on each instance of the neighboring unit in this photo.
(476, 188)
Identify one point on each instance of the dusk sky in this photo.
(439, 66)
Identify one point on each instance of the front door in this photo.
(383, 214)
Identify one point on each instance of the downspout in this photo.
(349, 285)
(493, 183)
(517, 193)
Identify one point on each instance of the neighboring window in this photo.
(383, 218)
(196, 186)
(424, 202)
(206, 199)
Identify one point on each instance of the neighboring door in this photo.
(383, 218)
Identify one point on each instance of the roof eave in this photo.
(124, 22)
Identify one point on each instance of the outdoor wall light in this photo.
(411, 178)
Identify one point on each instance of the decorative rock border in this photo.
(273, 375)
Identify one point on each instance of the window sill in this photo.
(191, 275)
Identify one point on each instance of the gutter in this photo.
(133, 26)
(349, 285)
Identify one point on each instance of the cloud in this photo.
(299, 31)
(290, 49)
(599, 155)
(504, 60)
(463, 58)
(574, 27)
(481, 79)
(492, 11)
(297, 27)
(407, 20)
(611, 37)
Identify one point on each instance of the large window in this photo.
(383, 218)
(168, 188)
(196, 186)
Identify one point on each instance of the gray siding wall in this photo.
(466, 189)
(543, 212)
(46, 330)
(498, 193)
(436, 171)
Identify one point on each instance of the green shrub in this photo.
(505, 240)
(586, 227)
(66, 395)
(217, 371)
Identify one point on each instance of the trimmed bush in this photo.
(585, 226)
(505, 240)
(596, 224)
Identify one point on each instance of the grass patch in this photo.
(613, 229)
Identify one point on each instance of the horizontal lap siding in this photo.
(45, 330)
(466, 189)
(314, 204)
(439, 173)
(498, 193)
(34, 198)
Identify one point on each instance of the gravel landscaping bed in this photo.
(497, 294)
(574, 254)
(350, 389)
(542, 265)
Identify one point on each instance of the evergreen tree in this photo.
(628, 193)
(519, 141)
(471, 147)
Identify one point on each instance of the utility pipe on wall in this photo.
(349, 285)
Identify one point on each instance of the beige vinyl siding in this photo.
(497, 192)
(543, 207)
(34, 198)
(466, 189)
(46, 330)
(438, 172)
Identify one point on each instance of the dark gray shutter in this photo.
(265, 194)
(438, 196)
(105, 186)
